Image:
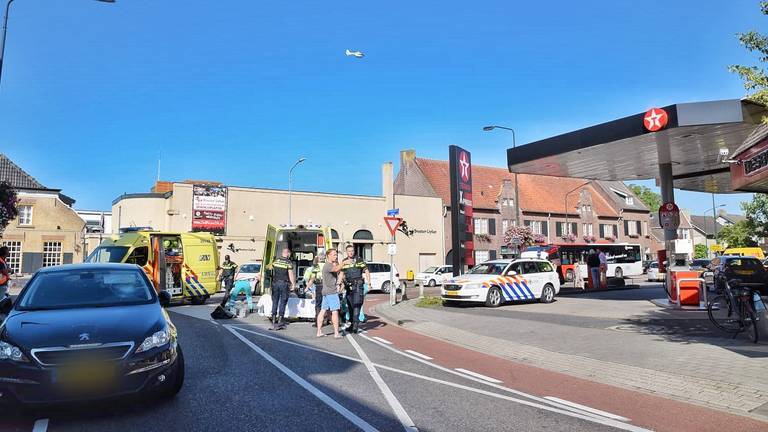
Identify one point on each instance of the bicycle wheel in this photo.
(723, 315)
(749, 319)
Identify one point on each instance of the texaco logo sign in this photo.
(465, 166)
(655, 119)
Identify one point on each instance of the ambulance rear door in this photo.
(200, 263)
(267, 258)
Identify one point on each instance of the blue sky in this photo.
(235, 91)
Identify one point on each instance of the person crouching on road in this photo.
(330, 293)
(313, 277)
(283, 282)
(355, 268)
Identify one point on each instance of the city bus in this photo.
(623, 259)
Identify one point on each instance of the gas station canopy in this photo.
(697, 136)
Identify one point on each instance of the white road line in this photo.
(382, 340)
(405, 420)
(419, 355)
(551, 405)
(349, 415)
(576, 412)
(477, 375)
(40, 425)
(588, 409)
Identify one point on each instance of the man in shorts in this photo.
(330, 293)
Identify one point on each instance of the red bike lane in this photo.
(643, 409)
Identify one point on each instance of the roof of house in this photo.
(732, 217)
(705, 224)
(15, 176)
(618, 192)
(541, 194)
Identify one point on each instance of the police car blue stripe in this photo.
(506, 293)
(521, 290)
(529, 290)
(512, 290)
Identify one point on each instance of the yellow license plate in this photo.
(744, 272)
(451, 293)
(85, 376)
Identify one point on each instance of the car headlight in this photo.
(157, 340)
(473, 286)
(11, 352)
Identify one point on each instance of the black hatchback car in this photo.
(85, 332)
(748, 270)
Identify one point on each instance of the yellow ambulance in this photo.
(304, 241)
(184, 264)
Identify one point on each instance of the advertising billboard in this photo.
(209, 209)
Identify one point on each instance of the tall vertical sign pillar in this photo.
(462, 229)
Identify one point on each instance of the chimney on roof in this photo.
(407, 156)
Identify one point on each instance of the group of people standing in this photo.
(334, 282)
(597, 265)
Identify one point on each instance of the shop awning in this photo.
(624, 150)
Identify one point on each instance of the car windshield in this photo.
(82, 287)
(250, 268)
(745, 264)
(488, 268)
(430, 270)
(108, 254)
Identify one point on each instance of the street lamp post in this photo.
(517, 189)
(5, 30)
(290, 188)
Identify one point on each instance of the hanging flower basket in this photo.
(8, 209)
(611, 238)
(589, 238)
(571, 237)
(483, 237)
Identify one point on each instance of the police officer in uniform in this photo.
(283, 282)
(356, 273)
(228, 270)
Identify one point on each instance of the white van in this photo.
(380, 277)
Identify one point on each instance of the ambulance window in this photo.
(139, 256)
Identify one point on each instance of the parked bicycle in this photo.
(737, 309)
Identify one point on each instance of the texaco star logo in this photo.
(464, 165)
(655, 119)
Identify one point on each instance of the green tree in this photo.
(754, 77)
(736, 235)
(700, 251)
(647, 196)
(756, 212)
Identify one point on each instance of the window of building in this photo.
(607, 230)
(14, 255)
(482, 256)
(505, 224)
(564, 229)
(481, 226)
(25, 215)
(629, 200)
(586, 229)
(683, 234)
(645, 228)
(51, 254)
(507, 202)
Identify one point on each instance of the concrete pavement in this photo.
(617, 338)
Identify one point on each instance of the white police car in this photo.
(498, 281)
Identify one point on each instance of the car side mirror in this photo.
(165, 298)
(6, 305)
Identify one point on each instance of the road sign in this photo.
(393, 223)
(392, 249)
(669, 216)
(393, 212)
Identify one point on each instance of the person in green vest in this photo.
(228, 270)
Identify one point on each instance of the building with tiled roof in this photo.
(560, 209)
(47, 231)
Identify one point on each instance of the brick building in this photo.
(560, 209)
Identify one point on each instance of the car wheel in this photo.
(569, 275)
(547, 294)
(619, 273)
(199, 300)
(173, 387)
(386, 287)
(432, 283)
(494, 297)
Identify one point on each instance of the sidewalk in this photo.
(620, 346)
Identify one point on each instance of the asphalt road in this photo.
(242, 377)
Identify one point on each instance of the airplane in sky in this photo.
(358, 54)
